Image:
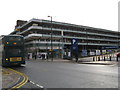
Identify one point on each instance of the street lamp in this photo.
(51, 39)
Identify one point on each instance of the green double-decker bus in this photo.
(12, 50)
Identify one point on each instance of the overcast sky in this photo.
(93, 13)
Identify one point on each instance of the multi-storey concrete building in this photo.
(37, 34)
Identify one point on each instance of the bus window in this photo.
(14, 51)
(14, 38)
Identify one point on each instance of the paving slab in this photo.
(101, 62)
(9, 78)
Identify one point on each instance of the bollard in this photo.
(98, 58)
(104, 58)
(93, 58)
(117, 58)
(110, 58)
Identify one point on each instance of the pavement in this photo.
(101, 62)
(86, 60)
(89, 60)
(9, 78)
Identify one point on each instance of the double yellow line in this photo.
(23, 82)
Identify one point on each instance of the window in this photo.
(14, 38)
(14, 51)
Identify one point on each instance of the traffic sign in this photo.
(74, 44)
(74, 41)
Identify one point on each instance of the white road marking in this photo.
(36, 84)
(32, 82)
(39, 86)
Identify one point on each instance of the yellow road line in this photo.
(23, 82)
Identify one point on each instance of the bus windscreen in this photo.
(14, 38)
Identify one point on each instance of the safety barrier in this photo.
(107, 57)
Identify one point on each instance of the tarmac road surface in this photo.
(70, 75)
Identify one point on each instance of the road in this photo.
(70, 75)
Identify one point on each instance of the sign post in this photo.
(74, 48)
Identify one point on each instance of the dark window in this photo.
(14, 38)
(14, 51)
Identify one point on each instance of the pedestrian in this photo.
(43, 56)
(28, 56)
(47, 56)
(35, 56)
(76, 56)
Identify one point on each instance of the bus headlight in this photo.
(6, 58)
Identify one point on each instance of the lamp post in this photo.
(51, 39)
(118, 41)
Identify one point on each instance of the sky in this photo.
(94, 13)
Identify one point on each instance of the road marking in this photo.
(23, 82)
(36, 84)
(32, 82)
(39, 86)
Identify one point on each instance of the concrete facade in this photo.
(37, 35)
